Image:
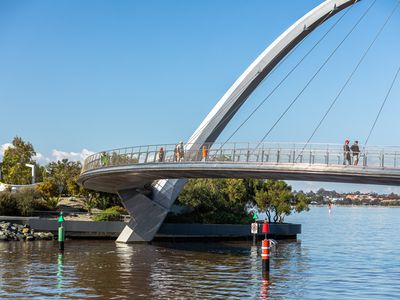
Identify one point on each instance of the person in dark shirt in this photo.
(161, 155)
(356, 152)
(346, 153)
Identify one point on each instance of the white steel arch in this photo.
(238, 93)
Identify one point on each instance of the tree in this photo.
(276, 199)
(73, 188)
(215, 201)
(15, 157)
(47, 188)
(63, 171)
(301, 202)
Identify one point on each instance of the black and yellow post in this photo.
(61, 232)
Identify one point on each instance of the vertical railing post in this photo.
(262, 155)
(365, 158)
(147, 154)
(140, 151)
(278, 153)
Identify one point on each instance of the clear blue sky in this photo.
(97, 75)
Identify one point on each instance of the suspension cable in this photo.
(269, 74)
(241, 90)
(288, 74)
(350, 77)
(383, 104)
(316, 73)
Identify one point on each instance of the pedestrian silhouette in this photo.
(356, 152)
(204, 153)
(346, 153)
(181, 151)
(176, 152)
(161, 155)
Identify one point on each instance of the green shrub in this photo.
(110, 214)
(48, 188)
(21, 202)
(102, 202)
(52, 202)
(8, 204)
(28, 200)
(89, 202)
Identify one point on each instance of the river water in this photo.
(353, 253)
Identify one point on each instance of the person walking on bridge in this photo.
(161, 155)
(346, 153)
(176, 152)
(204, 152)
(356, 152)
(181, 151)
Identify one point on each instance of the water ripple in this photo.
(349, 254)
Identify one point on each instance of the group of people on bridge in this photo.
(179, 153)
(348, 151)
(351, 154)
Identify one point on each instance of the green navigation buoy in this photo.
(255, 217)
(60, 218)
(61, 232)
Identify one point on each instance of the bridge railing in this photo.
(258, 153)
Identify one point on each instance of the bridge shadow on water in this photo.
(223, 247)
(238, 248)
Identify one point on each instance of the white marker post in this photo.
(254, 231)
(33, 171)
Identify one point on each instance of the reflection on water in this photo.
(60, 270)
(335, 258)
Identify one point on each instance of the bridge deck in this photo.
(139, 166)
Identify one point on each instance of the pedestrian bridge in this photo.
(148, 185)
(137, 167)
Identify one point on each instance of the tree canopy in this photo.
(229, 200)
(14, 170)
(62, 172)
(276, 199)
(215, 201)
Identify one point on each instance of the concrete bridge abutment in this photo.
(148, 212)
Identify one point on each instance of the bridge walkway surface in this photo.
(119, 169)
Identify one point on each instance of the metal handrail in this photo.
(259, 153)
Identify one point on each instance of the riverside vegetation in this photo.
(57, 181)
(201, 201)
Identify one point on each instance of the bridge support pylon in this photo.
(148, 212)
